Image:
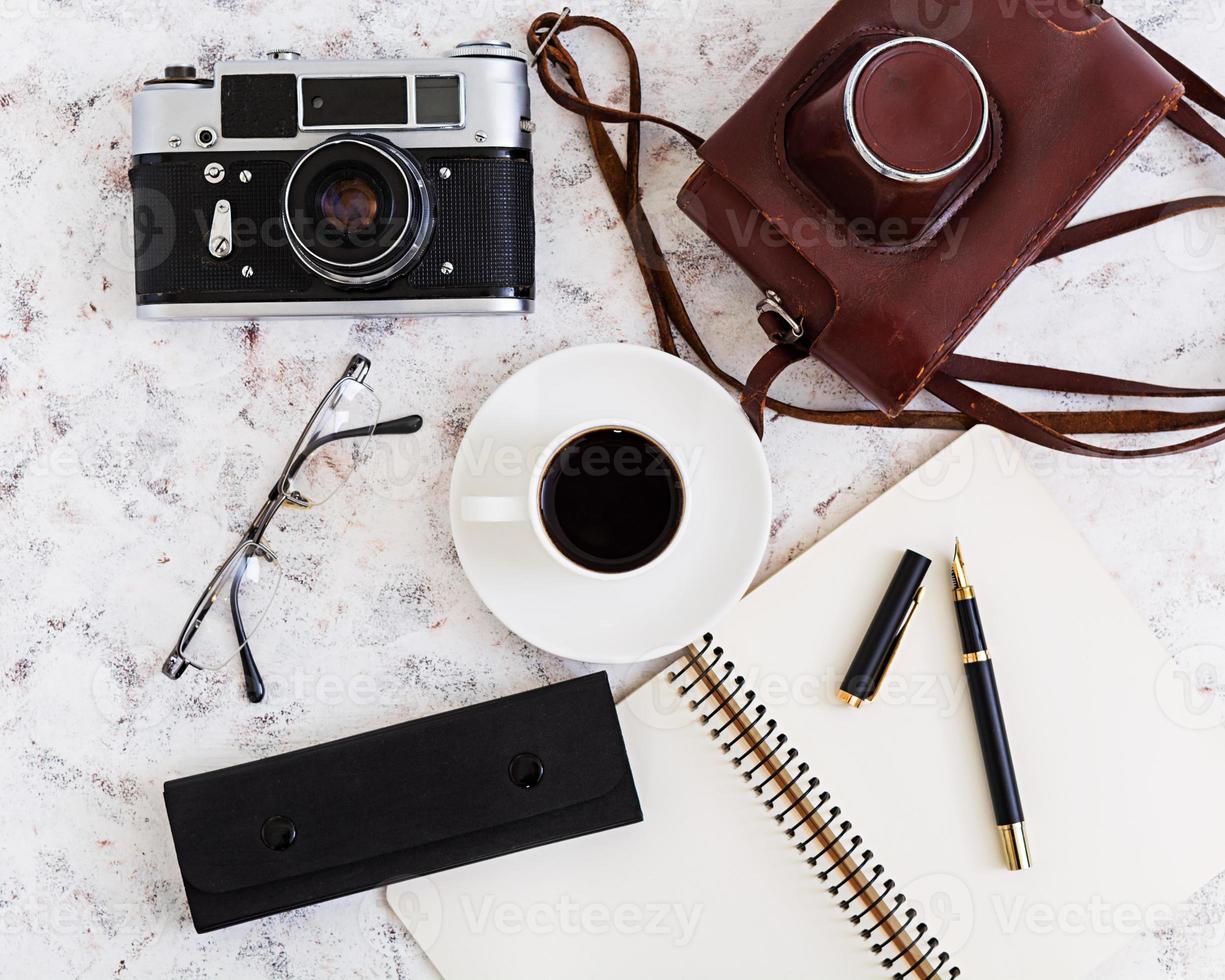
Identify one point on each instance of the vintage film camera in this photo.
(286, 187)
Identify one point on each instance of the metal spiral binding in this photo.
(756, 747)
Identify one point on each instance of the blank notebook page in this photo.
(1120, 800)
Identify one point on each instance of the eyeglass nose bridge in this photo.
(292, 498)
(265, 552)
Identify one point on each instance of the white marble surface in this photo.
(132, 454)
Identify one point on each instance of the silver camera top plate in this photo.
(493, 101)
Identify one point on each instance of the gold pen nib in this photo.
(959, 568)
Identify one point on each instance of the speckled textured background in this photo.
(133, 454)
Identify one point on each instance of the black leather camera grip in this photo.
(400, 802)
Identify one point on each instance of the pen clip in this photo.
(897, 642)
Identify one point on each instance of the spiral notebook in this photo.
(786, 834)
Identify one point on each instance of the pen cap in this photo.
(880, 643)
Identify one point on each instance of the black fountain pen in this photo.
(989, 719)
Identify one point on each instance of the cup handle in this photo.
(493, 510)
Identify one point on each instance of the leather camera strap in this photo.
(624, 185)
(948, 384)
(1051, 429)
(1186, 119)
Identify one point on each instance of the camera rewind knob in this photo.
(182, 76)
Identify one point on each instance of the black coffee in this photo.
(611, 500)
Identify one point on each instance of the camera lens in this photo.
(356, 210)
(350, 204)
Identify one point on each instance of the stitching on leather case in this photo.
(834, 51)
(1145, 123)
(1064, 30)
(928, 240)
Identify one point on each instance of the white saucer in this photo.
(694, 584)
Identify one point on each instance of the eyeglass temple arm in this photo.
(405, 426)
(393, 427)
(255, 683)
(250, 672)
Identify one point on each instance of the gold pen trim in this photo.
(850, 699)
(978, 657)
(896, 645)
(1016, 846)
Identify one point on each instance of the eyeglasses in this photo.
(334, 443)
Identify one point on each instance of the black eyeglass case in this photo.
(408, 800)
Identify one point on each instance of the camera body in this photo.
(287, 187)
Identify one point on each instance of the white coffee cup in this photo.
(527, 507)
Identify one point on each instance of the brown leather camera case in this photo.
(1070, 92)
(887, 319)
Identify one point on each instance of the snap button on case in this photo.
(278, 833)
(526, 770)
